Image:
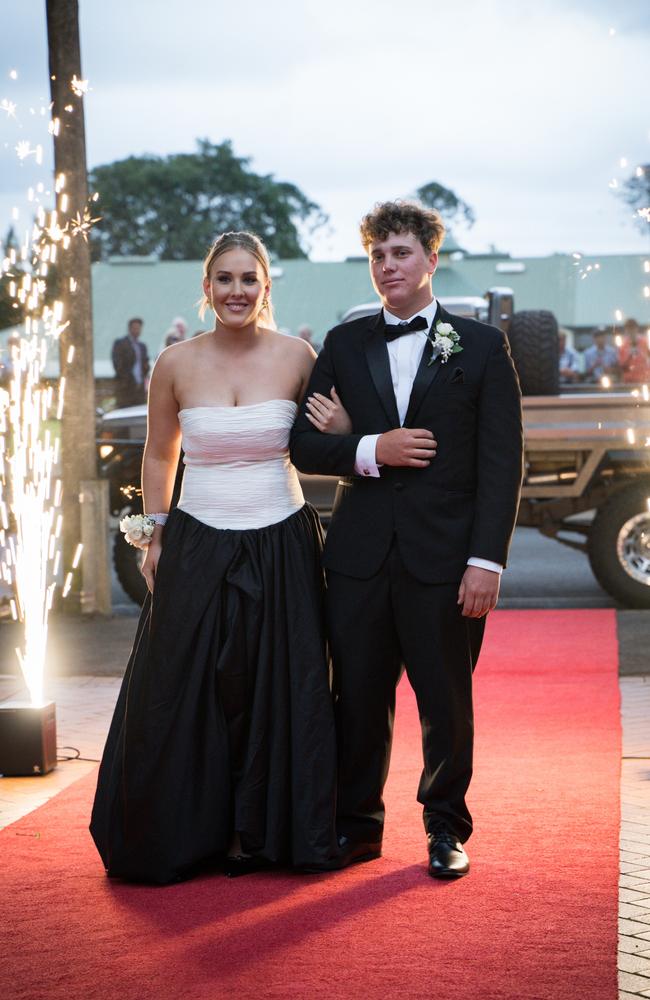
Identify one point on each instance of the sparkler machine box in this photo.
(27, 738)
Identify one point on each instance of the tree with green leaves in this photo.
(174, 206)
(452, 208)
(636, 192)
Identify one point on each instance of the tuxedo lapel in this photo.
(426, 373)
(379, 365)
(424, 378)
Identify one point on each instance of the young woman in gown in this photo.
(222, 741)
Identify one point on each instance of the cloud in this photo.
(629, 18)
(523, 109)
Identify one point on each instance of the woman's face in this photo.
(236, 287)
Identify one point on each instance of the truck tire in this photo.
(533, 336)
(619, 545)
(127, 561)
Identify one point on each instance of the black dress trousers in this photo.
(377, 626)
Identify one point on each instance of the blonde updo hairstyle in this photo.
(253, 245)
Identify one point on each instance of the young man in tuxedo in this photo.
(131, 363)
(423, 516)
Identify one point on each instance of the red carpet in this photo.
(535, 920)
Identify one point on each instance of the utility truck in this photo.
(587, 459)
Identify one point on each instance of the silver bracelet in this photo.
(158, 518)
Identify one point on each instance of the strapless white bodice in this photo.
(237, 468)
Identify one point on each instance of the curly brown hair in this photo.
(403, 217)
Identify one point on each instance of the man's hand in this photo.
(479, 591)
(406, 447)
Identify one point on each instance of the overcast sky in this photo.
(523, 109)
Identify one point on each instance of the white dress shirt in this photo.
(137, 365)
(404, 355)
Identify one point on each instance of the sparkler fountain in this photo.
(31, 489)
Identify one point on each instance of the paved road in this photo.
(541, 574)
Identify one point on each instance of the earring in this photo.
(265, 303)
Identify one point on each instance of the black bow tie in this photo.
(394, 330)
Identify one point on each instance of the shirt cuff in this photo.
(366, 460)
(485, 564)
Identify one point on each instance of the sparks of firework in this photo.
(584, 270)
(79, 87)
(29, 560)
(30, 492)
(24, 149)
(81, 225)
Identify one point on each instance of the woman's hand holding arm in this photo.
(328, 415)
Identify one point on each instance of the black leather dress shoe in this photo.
(447, 858)
(350, 852)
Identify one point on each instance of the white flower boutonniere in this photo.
(445, 342)
(137, 529)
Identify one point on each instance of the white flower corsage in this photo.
(137, 529)
(445, 343)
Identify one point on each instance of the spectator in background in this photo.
(176, 332)
(180, 326)
(601, 358)
(171, 337)
(305, 332)
(569, 361)
(131, 363)
(633, 354)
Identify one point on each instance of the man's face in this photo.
(401, 272)
(135, 329)
(599, 340)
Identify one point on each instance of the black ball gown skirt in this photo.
(224, 719)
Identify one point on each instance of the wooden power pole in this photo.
(91, 589)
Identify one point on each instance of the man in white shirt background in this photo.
(420, 529)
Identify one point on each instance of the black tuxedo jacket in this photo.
(123, 357)
(465, 502)
(128, 392)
